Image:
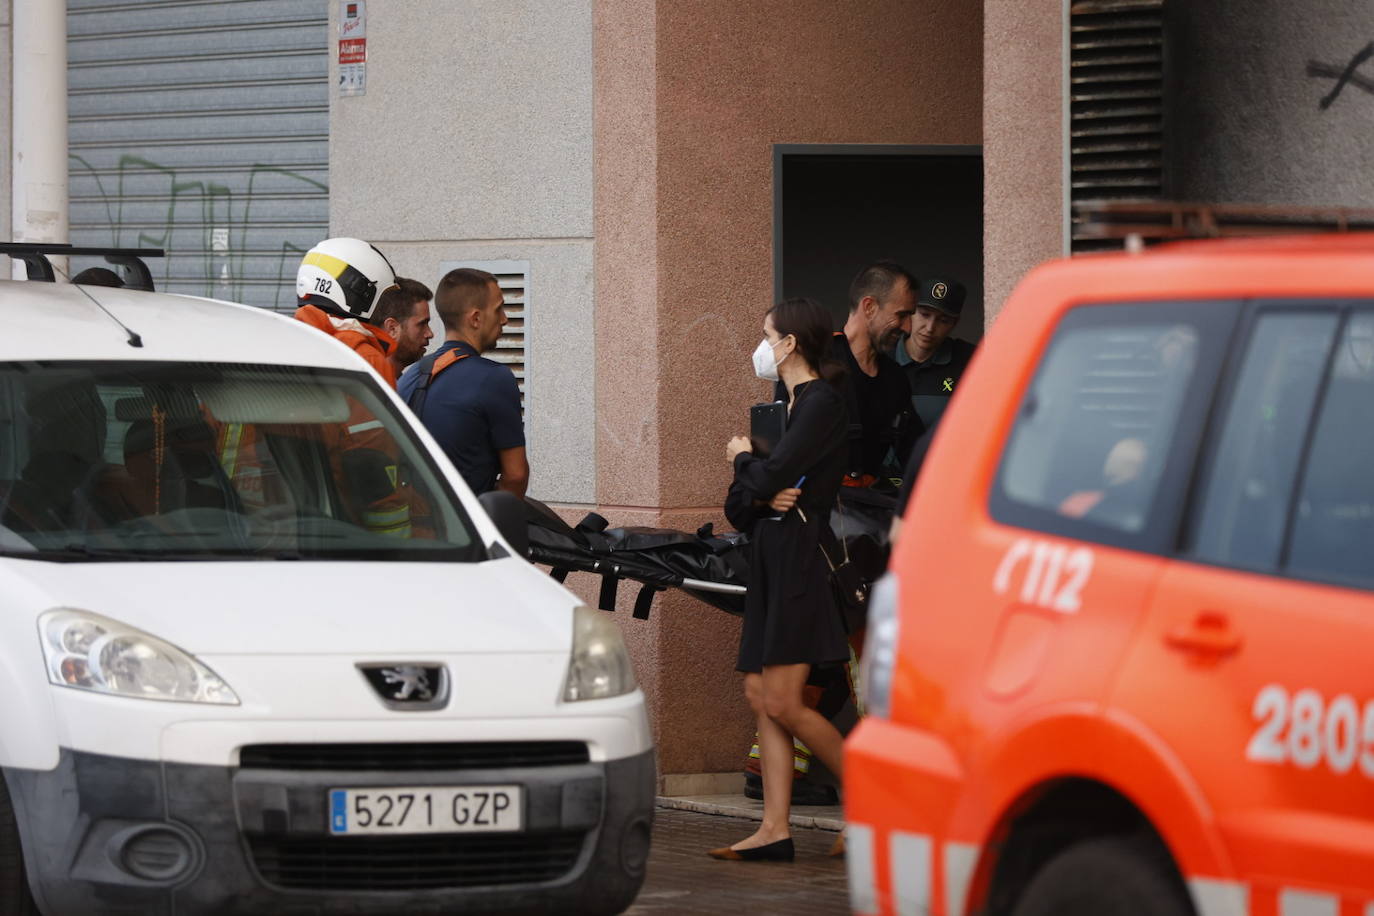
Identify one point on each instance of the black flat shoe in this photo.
(781, 851)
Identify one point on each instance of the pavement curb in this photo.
(827, 818)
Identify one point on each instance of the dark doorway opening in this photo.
(837, 208)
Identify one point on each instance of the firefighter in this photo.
(338, 285)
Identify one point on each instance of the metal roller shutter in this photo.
(202, 127)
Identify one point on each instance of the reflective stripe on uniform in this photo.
(229, 448)
(389, 522)
(801, 755)
(364, 427)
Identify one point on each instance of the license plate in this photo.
(425, 809)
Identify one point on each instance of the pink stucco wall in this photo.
(690, 98)
(1023, 142)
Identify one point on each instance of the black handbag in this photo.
(847, 582)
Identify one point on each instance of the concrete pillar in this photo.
(684, 654)
(689, 100)
(39, 165)
(1023, 142)
(6, 122)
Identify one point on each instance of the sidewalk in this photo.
(682, 879)
(822, 817)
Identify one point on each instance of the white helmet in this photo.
(344, 276)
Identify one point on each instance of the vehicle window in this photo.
(1333, 528)
(1093, 437)
(11, 461)
(1248, 483)
(202, 461)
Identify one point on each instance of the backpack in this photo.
(429, 368)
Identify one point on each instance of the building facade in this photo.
(648, 176)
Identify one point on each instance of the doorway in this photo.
(837, 208)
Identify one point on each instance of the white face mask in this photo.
(765, 362)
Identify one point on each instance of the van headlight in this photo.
(91, 652)
(880, 648)
(600, 666)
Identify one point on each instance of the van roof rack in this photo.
(36, 263)
(1163, 220)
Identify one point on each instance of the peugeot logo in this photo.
(408, 686)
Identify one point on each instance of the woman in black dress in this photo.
(791, 622)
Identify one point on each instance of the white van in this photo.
(262, 651)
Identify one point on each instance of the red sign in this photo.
(352, 50)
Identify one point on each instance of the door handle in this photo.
(1208, 633)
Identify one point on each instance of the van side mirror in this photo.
(507, 512)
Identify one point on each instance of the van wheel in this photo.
(14, 886)
(1107, 876)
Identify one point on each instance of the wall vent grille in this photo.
(1116, 106)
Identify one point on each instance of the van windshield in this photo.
(165, 461)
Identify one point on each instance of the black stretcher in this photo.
(712, 567)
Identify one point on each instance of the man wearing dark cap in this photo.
(934, 361)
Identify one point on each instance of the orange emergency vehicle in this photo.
(1122, 659)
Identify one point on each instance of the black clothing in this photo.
(882, 425)
(790, 615)
(913, 470)
(933, 381)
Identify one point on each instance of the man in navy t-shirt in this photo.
(471, 404)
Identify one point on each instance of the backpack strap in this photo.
(429, 369)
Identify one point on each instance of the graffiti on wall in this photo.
(1344, 75)
(223, 216)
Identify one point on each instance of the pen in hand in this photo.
(790, 500)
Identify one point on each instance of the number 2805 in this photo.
(1304, 729)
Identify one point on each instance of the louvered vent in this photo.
(513, 277)
(1116, 95)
